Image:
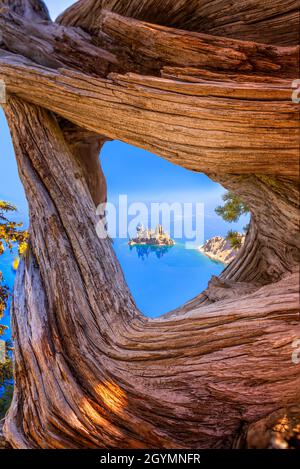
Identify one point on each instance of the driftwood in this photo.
(189, 84)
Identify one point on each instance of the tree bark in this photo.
(204, 127)
(273, 22)
(91, 371)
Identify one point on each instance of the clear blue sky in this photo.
(57, 6)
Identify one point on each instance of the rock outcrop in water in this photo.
(220, 249)
(157, 237)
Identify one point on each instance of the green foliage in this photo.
(231, 211)
(233, 207)
(10, 234)
(6, 373)
(5, 400)
(235, 239)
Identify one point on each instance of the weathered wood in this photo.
(271, 22)
(91, 370)
(200, 75)
(169, 46)
(86, 147)
(83, 364)
(54, 46)
(279, 430)
(138, 46)
(33, 10)
(3, 442)
(210, 127)
(272, 246)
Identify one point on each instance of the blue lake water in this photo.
(160, 278)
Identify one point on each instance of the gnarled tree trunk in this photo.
(91, 371)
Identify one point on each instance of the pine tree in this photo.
(235, 239)
(231, 211)
(233, 208)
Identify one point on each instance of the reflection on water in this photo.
(145, 250)
(161, 278)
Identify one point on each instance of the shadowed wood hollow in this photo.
(207, 86)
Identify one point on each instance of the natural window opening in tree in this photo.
(162, 271)
(212, 93)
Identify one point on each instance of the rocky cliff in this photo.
(220, 249)
(157, 237)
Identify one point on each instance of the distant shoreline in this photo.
(213, 257)
(220, 249)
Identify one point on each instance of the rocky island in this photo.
(157, 237)
(221, 249)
